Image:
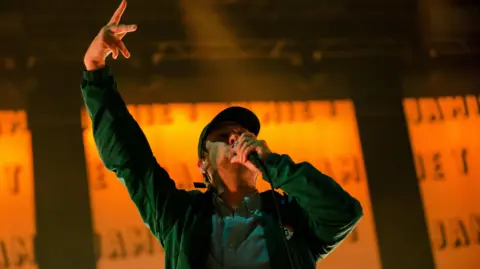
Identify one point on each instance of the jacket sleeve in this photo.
(330, 211)
(124, 150)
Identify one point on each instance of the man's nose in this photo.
(233, 138)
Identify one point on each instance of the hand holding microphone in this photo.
(250, 151)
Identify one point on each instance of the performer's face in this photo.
(220, 151)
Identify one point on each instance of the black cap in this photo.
(244, 117)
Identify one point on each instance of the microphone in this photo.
(255, 160)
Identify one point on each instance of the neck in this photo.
(235, 197)
(234, 188)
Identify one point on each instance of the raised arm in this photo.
(121, 143)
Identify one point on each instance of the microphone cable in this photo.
(255, 160)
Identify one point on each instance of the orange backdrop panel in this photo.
(445, 136)
(17, 208)
(323, 133)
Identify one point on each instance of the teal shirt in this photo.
(319, 212)
(238, 237)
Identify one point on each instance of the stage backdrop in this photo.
(445, 136)
(323, 133)
(17, 217)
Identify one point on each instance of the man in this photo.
(231, 225)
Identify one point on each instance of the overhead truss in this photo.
(152, 54)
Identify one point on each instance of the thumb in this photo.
(235, 159)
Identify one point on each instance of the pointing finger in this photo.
(121, 36)
(122, 28)
(118, 13)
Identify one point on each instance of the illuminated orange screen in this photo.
(17, 217)
(323, 133)
(445, 136)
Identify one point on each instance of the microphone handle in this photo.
(255, 160)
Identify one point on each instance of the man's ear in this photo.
(202, 165)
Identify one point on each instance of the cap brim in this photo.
(240, 115)
(244, 117)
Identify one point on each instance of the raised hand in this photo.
(109, 41)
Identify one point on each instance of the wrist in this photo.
(91, 65)
(271, 158)
(265, 155)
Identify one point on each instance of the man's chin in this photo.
(235, 168)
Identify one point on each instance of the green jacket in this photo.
(320, 212)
